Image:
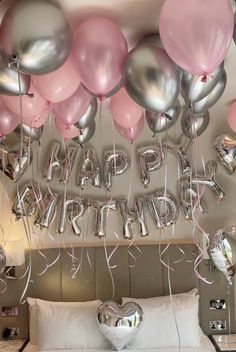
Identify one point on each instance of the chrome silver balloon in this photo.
(151, 78)
(89, 116)
(152, 39)
(142, 210)
(37, 34)
(59, 159)
(162, 121)
(194, 125)
(181, 156)
(102, 210)
(89, 169)
(47, 209)
(163, 208)
(150, 158)
(222, 249)
(12, 83)
(86, 134)
(119, 324)
(225, 148)
(30, 134)
(115, 162)
(194, 88)
(2, 260)
(206, 103)
(27, 201)
(15, 160)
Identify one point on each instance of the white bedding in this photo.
(206, 346)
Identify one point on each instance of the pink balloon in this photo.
(231, 117)
(99, 50)
(124, 110)
(198, 36)
(31, 106)
(60, 84)
(131, 133)
(37, 120)
(67, 131)
(8, 120)
(72, 109)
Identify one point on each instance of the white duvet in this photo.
(205, 346)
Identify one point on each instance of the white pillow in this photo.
(159, 327)
(62, 327)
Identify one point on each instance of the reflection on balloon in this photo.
(225, 148)
(164, 209)
(30, 134)
(115, 162)
(89, 115)
(90, 169)
(27, 201)
(102, 211)
(72, 208)
(194, 125)
(47, 209)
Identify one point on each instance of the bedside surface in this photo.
(225, 342)
(11, 345)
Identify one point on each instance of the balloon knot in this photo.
(51, 105)
(2, 137)
(30, 95)
(67, 127)
(204, 78)
(101, 97)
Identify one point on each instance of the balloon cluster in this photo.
(68, 73)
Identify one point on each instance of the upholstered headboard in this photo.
(147, 278)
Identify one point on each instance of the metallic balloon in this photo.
(225, 148)
(89, 169)
(37, 33)
(30, 134)
(194, 88)
(150, 158)
(152, 39)
(47, 209)
(206, 103)
(189, 199)
(115, 162)
(119, 324)
(209, 180)
(221, 245)
(162, 121)
(163, 208)
(151, 78)
(181, 156)
(102, 211)
(89, 116)
(86, 134)
(142, 209)
(72, 209)
(14, 161)
(10, 82)
(2, 259)
(59, 159)
(27, 201)
(194, 125)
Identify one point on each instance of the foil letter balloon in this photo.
(37, 34)
(222, 250)
(115, 162)
(225, 148)
(2, 259)
(27, 201)
(102, 211)
(119, 324)
(164, 209)
(47, 209)
(59, 160)
(179, 153)
(150, 158)
(89, 169)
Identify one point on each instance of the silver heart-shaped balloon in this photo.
(29, 133)
(194, 125)
(118, 323)
(86, 134)
(225, 148)
(89, 115)
(159, 122)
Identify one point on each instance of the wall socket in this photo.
(11, 333)
(219, 325)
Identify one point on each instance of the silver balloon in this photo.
(27, 201)
(29, 133)
(2, 260)
(142, 209)
(181, 156)
(151, 78)
(47, 209)
(209, 180)
(37, 33)
(102, 211)
(189, 199)
(225, 148)
(115, 162)
(221, 245)
(89, 116)
(194, 88)
(59, 159)
(194, 125)
(86, 134)
(152, 39)
(89, 169)
(150, 158)
(163, 208)
(162, 121)
(14, 161)
(119, 324)
(72, 209)
(10, 82)
(206, 103)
